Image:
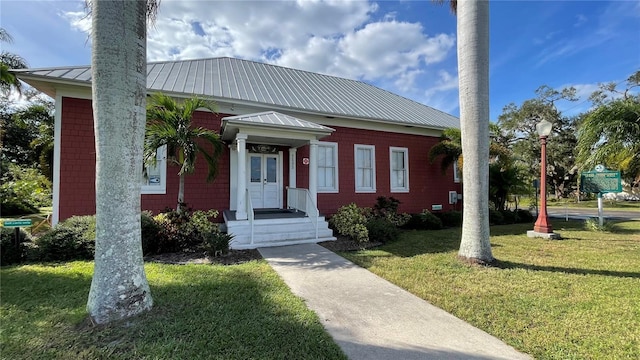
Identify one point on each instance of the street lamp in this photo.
(542, 227)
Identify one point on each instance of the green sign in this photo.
(600, 181)
(16, 223)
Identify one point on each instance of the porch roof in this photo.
(273, 128)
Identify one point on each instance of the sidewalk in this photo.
(370, 318)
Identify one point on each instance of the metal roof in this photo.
(269, 85)
(275, 119)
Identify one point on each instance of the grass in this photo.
(200, 312)
(577, 298)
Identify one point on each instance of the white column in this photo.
(241, 208)
(292, 167)
(313, 171)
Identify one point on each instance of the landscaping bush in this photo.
(495, 217)
(424, 221)
(524, 216)
(216, 242)
(387, 208)
(593, 224)
(508, 216)
(382, 230)
(351, 220)
(186, 230)
(150, 233)
(23, 190)
(450, 218)
(9, 252)
(72, 239)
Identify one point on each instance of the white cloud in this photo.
(331, 37)
(78, 20)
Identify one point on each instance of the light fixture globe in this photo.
(544, 128)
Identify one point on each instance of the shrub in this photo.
(450, 218)
(524, 216)
(382, 230)
(150, 233)
(23, 190)
(387, 208)
(593, 224)
(508, 216)
(424, 221)
(351, 220)
(72, 239)
(10, 252)
(216, 242)
(495, 217)
(184, 230)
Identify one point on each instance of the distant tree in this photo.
(9, 61)
(169, 124)
(518, 124)
(609, 134)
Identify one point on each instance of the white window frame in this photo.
(456, 172)
(161, 158)
(405, 152)
(363, 189)
(336, 184)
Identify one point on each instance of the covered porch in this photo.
(267, 209)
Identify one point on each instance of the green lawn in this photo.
(200, 312)
(577, 298)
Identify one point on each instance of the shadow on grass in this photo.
(200, 312)
(500, 264)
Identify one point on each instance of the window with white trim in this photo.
(154, 178)
(399, 168)
(365, 166)
(456, 172)
(328, 167)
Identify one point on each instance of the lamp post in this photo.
(542, 227)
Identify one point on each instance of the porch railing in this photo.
(250, 212)
(300, 200)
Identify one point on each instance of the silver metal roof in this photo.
(275, 119)
(268, 85)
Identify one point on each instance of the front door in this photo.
(264, 185)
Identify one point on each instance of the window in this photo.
(365, 163)
(399, 166)
(456, 172)
(327, 167)
(154, 179)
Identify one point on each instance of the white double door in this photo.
(264, 180)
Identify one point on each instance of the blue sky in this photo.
(406, 47)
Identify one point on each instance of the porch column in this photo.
(241, 207)
(292, 167)
(313, 171)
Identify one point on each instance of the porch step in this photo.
(277, 232)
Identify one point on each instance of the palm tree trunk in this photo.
(181, 194)
(473, 72)
(119, 288)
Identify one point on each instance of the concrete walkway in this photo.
(370, 318)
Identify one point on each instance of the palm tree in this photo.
(473, 77)
(9, 61)
(449, 148)
(119, 288)
(169, 124)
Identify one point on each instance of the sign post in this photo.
(600, 181)
(17, 224)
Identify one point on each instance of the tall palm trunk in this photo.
(473, 72)
(119, 288)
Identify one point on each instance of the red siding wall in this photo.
(77, 168)
(427, 184)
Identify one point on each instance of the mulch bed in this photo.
(235, 257)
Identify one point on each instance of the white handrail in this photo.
(300, 200)
(250, 212)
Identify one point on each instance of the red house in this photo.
(300, 145)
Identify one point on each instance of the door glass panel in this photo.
(271, 169)
(256, 169)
